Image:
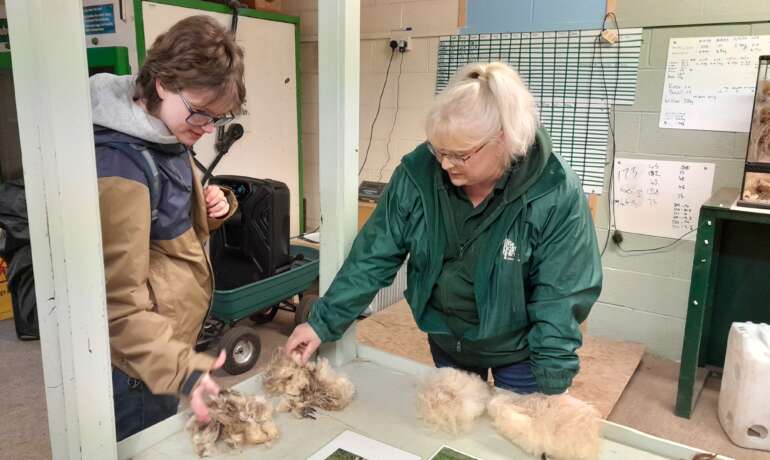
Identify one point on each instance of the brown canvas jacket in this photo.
(159, 281)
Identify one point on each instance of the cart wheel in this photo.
(265, 316)
(302, 313)
(242, 347)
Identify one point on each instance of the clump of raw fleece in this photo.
(303, 388)
(236, 420)
(450, 400)
(558, 427)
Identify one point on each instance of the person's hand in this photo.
(205, 387)
(303, 342)
(216, 203)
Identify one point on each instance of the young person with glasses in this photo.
(503, 261)
(158, 280)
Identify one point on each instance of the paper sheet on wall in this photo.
(710, 82)
(660, 198)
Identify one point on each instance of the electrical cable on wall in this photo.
(659, 248)
(611, 125)
(379, 106)
(596, 46)
(616, 236)
(395, 117)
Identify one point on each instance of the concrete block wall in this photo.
(645, 295)
(412, 93)
(658, 13)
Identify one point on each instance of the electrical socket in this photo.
(617, 237)
(403, 39)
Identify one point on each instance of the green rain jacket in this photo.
(535, 280)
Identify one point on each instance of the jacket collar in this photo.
(103, 135)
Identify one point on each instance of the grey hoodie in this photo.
(112, 106)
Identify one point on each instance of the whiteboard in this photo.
(710, 82)
(660, 198)
(269, 148)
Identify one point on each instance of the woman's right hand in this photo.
(303, 341)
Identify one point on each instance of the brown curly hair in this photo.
(196, 53)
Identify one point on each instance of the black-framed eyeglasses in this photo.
(199, 118)
(456, 158)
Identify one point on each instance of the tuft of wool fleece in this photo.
(560, 427)
(303, 388)
(236, 420)
(450, 400)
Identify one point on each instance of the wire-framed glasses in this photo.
(456, 158)
(200, 118)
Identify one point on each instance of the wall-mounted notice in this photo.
(710, 82)
(99, 19)
(660, 198)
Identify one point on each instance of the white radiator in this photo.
(391, 294)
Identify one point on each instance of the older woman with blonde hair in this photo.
(503, 262)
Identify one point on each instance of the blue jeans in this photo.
(515, 377)
(135, 407)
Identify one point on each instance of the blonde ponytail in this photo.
(481, 100)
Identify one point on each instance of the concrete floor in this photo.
(23, 417)
(647, 403)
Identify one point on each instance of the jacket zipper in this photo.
(208, 261)
(211, 299)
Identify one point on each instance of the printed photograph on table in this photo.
(447, 453)
(342, 454)
(349, 446)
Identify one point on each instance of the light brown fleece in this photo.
(559, 426)
(301, 388)
(237, 420)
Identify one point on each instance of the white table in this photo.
(383, 409)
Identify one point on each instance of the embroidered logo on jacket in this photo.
(509, 250)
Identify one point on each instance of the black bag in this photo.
(16, 251)
(254, 243)
(21, 284)
(13, 219)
